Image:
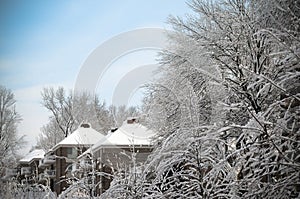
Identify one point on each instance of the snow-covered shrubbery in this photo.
(23, 191)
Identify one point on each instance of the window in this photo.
(71, 153)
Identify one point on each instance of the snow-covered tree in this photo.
(254, 152)
(118, 114)
(59, 103)
(50, 136)
(10, 142)
(69, 110)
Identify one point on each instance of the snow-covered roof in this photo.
(33, 155)
(128, 134)
(84, 135)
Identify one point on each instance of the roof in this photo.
(83, 135)
(33, 155)
(127, 135)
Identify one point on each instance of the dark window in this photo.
(69, 151)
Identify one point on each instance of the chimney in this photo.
(85, 125)
(113, 129)
(132, 120)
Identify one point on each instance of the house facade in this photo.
(125, 147)
(29, 167)
(58, 161)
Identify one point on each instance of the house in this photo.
(29, 166)
(11, 173)
(123, 148)
(58, 161)
(86, 152)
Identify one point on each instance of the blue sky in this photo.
(44, 43)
